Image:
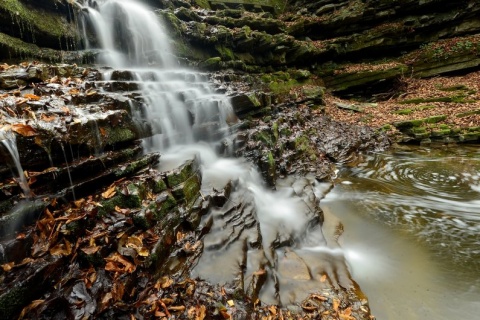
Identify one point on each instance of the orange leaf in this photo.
(7, 266)
(74, 91)
(61, 249)
(110, 192)
(24, 130)
(118, 263)
(46, 118)
(336, 303)
(31, 97)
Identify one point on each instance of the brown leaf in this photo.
(165, 282)
(90, 250)
(201, 312)
(24, 130)
(7, 266)
(30, 96)
(33, 305)
(118, 263)
(110, 192)
(46, 118)
(118, 291)
(74, 91)
(62, 249)
(336, 303)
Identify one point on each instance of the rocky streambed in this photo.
(123, 234)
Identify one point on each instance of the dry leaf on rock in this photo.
(110, 192)
(23, 129)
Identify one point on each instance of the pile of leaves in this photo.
(381, 113)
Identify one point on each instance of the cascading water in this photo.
(9, 142)
(278, 233)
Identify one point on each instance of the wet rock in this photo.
(28, 284)
(23, 213)
(181, 174)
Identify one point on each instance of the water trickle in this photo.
(68, 171)
(9, 141)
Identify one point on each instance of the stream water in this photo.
(412, 222)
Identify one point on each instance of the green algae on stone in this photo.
(182, 173)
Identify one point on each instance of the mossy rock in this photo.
(435, 119)
(401, 125)
(183, 172)
(188, 191)
(120, 200)
(403, 111)
(468, 113)
(440, 133)
(211, 64)
(36, 25)
(164, 203)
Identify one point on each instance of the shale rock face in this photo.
(37, 29)
(326, 37)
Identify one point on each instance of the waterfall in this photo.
(182, 115)
(178, 106)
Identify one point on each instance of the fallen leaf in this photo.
(118, 263)
(336, 303)
(33, 305)
(23, 129)
(74, 91)
(46, 118)
(62, 249)
(165, 282)
(7, 266)
(110, 192)
(30, 96)
(90, 250)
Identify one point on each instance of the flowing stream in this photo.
(412, 222)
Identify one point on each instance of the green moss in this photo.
(408, 124)
(275, 131)
(225, 53)
(164, 203)
(282, 87)
(456, 99)
(13, 300)
(264, 137)
(120, 200)
(44, 21)
(458, 87)
(440, 133)
(403, 111)
(119, 134)
(425, 107)
(468, 113)
(435, 119)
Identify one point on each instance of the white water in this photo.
(183, 116)
(9, 141)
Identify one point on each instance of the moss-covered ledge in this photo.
(33, 24)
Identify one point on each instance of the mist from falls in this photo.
(181, 116)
